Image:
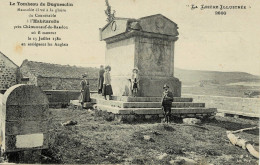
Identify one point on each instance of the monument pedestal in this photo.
(153, 86)
(149, 86)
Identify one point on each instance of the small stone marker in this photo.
(191, 121)
(24, 111)
(147, 137)
(162, 156)
(183, 161)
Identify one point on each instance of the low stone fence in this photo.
(61, 98)
(232, 105)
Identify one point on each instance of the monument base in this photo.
(147, 106)
(153, 86)
(149, 86)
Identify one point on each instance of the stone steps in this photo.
(138, 106)
(121, 104)
(153, 111)
(141, 99)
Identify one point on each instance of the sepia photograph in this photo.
(173, 82)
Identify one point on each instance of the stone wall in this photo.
(61, 98)
(53, 83)
(8, 74)
(232, 104)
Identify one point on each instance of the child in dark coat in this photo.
(167, 99)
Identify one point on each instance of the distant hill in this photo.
(194, 77)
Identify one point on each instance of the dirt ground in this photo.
(96, 141)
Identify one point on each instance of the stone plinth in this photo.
(24, 119)
(146, 43)
(124, 105)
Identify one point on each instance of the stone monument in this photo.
(146, 43)
(24, 123)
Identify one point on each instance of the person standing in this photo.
(107, 88)
(167, 99)
(85, 92)
(135, 82)
(101, 79)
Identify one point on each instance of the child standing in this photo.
(167, 99)
(135, 82)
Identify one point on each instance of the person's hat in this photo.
(165, 86)
(85, 75)
(136, 69)
(108, 67)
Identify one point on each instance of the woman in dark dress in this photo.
(107, 88)
(85, 92)
(101, 79)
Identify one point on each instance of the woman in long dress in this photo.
(101, 79)
(107, 88)
(85, 92)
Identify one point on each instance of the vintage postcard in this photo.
(129, 81)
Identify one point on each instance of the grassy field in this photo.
(96, 141)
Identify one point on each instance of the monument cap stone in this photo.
(157, 24)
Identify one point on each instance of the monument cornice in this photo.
(136, 33)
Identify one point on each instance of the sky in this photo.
(206, 41)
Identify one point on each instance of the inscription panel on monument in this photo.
(154, 57)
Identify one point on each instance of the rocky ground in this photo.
(94, 140)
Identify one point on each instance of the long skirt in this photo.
(85, 96)
(107, 90)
